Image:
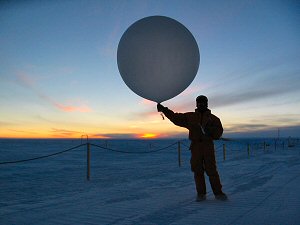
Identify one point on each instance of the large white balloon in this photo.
(158, 58)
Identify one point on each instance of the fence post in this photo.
(224, 152)
(179, 154)
(88, 162)
(248, 150)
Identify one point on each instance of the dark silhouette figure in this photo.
(203, 127)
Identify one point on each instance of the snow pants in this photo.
(203, 160)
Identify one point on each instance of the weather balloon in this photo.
(158, 58)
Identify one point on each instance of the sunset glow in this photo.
(149, 135)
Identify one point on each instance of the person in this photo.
(204, 127)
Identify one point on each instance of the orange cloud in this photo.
(62, 133)
(68, 108)
(25, 80)
(100, 136)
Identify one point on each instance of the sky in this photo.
(59, 76)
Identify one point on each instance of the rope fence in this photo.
(41, 157)
(134, 152)
(229, 148)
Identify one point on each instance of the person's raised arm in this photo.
(178, 119)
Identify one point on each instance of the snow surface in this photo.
(263, 188)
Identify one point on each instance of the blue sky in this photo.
(59, 75)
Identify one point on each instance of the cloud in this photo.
(68, 108)
(267, 128)
(262, 79)
(102, 136)
(245, 127)
(280, 120)
(2, 123)
(23, 131)
(65, 133)
(252, 94)
(263, 132)
(241, 97)
(27, 81)
(114, 135)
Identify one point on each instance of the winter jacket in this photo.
(202, 126)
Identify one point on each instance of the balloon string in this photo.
(162, 115)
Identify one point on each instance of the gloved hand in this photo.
(160, 107)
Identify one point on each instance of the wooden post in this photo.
(88, 154)
(248, 149)
(224, 152)
(179, 154)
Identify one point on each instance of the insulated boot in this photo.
(200, 197)
(221, 196)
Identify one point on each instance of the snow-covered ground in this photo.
(263, 188)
